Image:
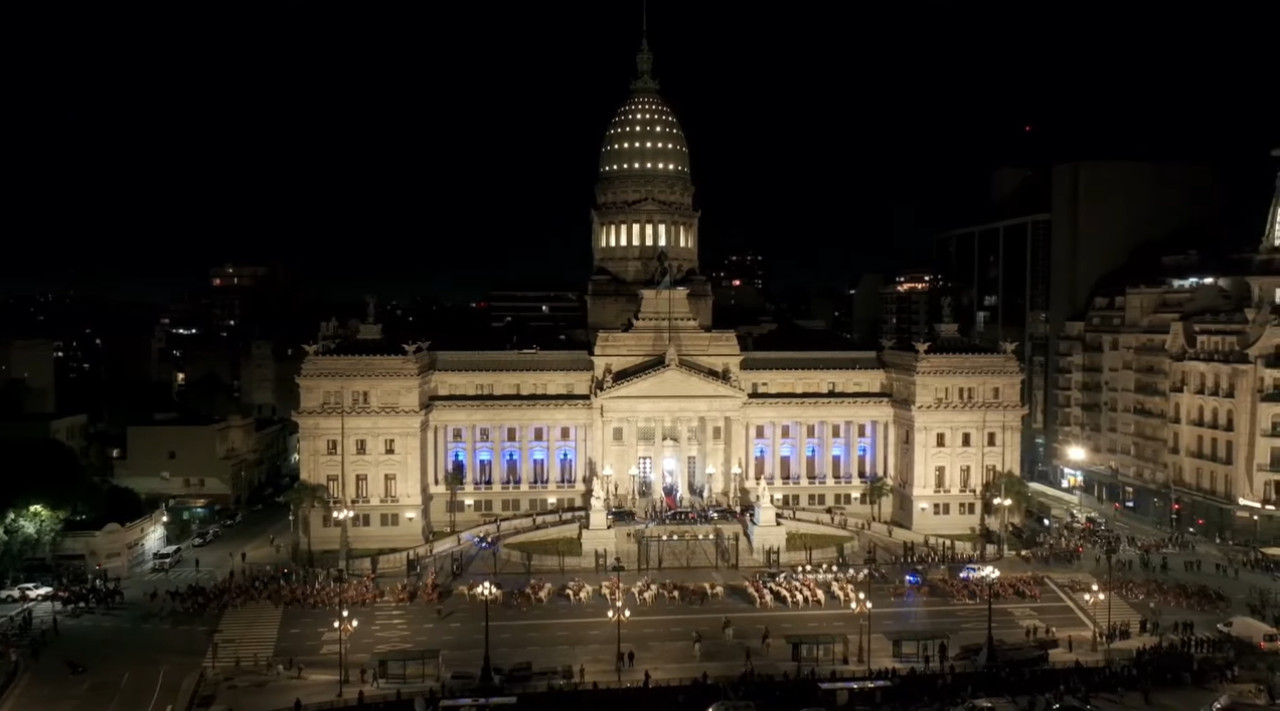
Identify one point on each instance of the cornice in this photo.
(818, 400)
(355, 374)
(507, 404)
(356, 411)
(972, 372)
(967, 406)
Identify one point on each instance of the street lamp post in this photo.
(343, 517)
(990, 575)
(618, 613)
(1077, 455)
(486, 591)
(862, 604)
(345, 626)
(1004, 505)
(1091, 598)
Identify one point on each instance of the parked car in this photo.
(26, 591)
(200, 540)
(622, 516)
(232, 520)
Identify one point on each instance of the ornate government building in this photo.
(662, 409)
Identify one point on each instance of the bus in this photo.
(492, 703)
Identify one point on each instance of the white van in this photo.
(166, 558)
(1252, 631)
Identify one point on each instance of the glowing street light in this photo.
(486, 591)
(345, 626)
(859, 605)
(990, 574)
(1092, 598)
(618, 613)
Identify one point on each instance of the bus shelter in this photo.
(817, 649)
(912, 645)
(405, 665)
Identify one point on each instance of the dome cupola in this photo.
(644, 221)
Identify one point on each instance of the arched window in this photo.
(1213, 418)
(1231, 420)
(1200, 413)
(511, 468)
(758, 462)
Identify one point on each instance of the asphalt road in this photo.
(137, 656)
(560, 633)
(136, 661)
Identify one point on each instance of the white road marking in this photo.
(157, 694)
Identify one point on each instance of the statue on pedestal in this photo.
(597, 495)
(713, 482)
(762, 492)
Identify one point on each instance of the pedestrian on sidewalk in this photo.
(582, 673)
(631, 658)
(374, 680)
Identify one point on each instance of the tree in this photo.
(29, 532)
(878, 490)
(1010, 486)
(453, 480)
(303, 499)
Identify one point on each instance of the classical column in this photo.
(889, 453)
(775, 431)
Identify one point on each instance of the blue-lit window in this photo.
(511, 468)
(458, 467)
(566, 467)
(484, 467)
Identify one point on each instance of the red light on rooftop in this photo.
(737, 282)
(1027, 128)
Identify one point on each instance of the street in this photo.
(561, 633)
(137, 656)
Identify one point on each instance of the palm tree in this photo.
(303, 498)
(454, 481)
(1010, 486)
(877, 491)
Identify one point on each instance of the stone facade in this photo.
(662, 410)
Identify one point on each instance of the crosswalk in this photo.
(186, 574)
(244, 632)
(1119, 611)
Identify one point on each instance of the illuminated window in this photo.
(662, 234)
(648, 234)
(680, 231)
(603, 231)
(635, 234)
(613, 241)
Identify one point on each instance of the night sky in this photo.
(454, 149)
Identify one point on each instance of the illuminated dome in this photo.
(645, 228)
(644, 138)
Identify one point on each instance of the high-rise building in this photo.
(1167, 395)
(907, 308)
(1052, 233)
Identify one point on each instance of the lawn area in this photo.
(548, 546)
(801, 541)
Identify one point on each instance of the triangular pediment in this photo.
(672, 382)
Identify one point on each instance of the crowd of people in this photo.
(307, 589)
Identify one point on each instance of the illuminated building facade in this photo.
(907, 308)
(662, 410)
(1173, 393)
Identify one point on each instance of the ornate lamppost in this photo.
(618, 613)
(346, 624)
(486, 591)
(862, 604)
(607, 473)
(343, 517)
(1092, 598)
(990, 575)
(634, 473)
(1003, 505)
